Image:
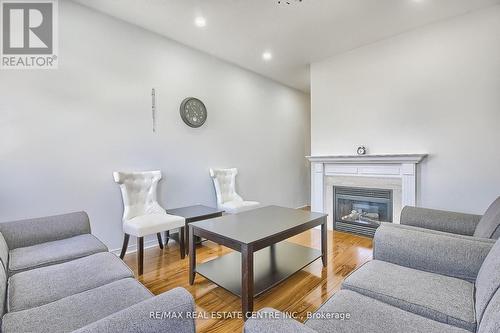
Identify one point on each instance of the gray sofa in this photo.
(421, 280)
(57, 277)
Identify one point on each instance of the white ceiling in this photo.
(239, 31)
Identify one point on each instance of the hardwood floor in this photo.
(303, 292)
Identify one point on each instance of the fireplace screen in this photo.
(360, 210)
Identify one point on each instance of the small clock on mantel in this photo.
(361, 150)
(193, 112)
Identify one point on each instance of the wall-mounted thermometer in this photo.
(153, 108)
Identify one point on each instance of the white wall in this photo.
(63, 132)
(434, 90)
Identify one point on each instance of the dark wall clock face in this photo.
(193, 112)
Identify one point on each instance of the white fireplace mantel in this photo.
(401, 166)
(384, 159)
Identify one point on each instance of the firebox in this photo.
(361, 210)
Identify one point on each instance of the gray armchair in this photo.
(419, 281)
(435, 272)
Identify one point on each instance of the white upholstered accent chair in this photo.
(225, 190)
(142, 214)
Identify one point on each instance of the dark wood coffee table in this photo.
(192, 214)
(264, 260)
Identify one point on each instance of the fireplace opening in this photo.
(361, 210)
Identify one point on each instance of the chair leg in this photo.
(140, 254)
(160, 242)
(126, 237)
(186, 238)
(181, 243)
(167, 237)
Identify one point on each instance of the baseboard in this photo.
(133, 248)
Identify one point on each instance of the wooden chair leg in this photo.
(126, 237)
(186, 238)
(167, 237)
(181, 243)
(140, 254)
(160, 242)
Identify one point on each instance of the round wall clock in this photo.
(193, 112)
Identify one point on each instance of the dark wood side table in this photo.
(262, 257)
(193, 214)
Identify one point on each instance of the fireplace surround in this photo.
(396, 174)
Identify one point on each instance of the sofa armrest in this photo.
(440, 220)
(172, 311)
(45, 229)
(269, 320)
(433, 251)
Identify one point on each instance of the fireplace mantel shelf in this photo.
(372, 159)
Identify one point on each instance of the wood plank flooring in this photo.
(303, 292)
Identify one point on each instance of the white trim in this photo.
(383, 158)
(317, 185)
(133, 248)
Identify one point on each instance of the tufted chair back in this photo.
(225, 185)
(139, 193)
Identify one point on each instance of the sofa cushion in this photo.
(488, 280)
(138, 319)
(48, 284)
(489, 225)
(369, 315)
(76, 311)
(50, 253)
(437, 297)
(150, 224)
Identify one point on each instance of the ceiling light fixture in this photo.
(200, 21)
(267, 55)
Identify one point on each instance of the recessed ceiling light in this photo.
(267, 56)
(200, 21)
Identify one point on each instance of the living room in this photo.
(256, 166)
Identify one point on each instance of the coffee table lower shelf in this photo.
(271, 266)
